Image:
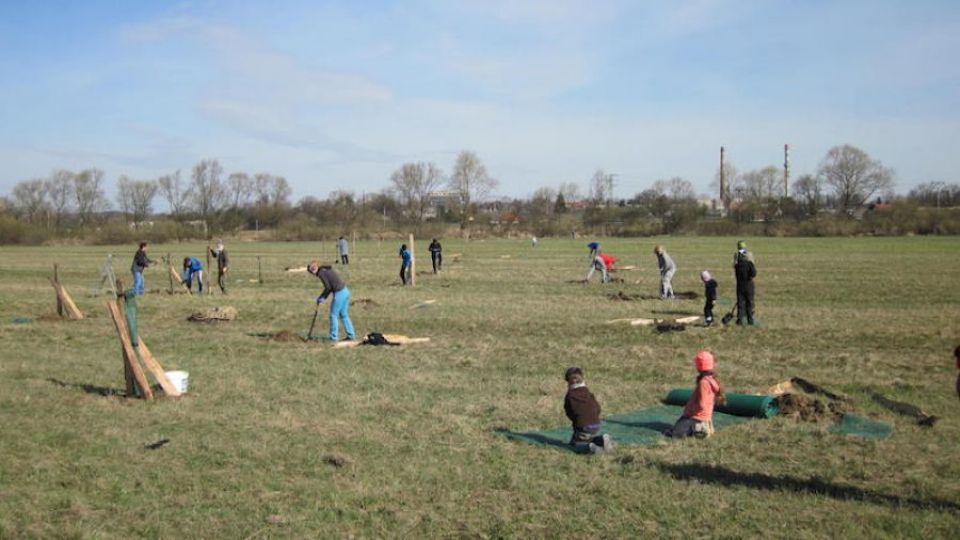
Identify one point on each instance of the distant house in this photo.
(441, 202)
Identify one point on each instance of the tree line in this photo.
(421, 195)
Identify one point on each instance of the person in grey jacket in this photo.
(343, 250)
(667, 269)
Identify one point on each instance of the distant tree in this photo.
(175, 193)
(240, 186)
(854, 176)
(207, 189)
(761, 184)
(570, 191)
(89, 195)
(938, 194)
(808, 192)
(413, 184)
(471, 182)
(136, 198)
(30, 199)
(560, 204)
(542, 204)
(676, 189)
(60, 192)
(601, 187)
(271, 198)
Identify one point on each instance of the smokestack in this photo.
(723, 178)
(786, 170)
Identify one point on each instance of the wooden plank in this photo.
(643, 322)
(56, 277)
(129, 356)
(175, 276)
(392, 338)
(157, 370)
(688, 320)
(71, 308)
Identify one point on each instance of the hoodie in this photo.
(700, 405)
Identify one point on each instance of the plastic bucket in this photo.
(179, 379)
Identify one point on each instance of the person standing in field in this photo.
(534, 241)
(436, 255)
(192, 267)
(334, 285)
(710, 295)
(140, 263)
(406, 261)
(667, 269)
(223, 263)
(744, 271)
(343, 250)
(604, 263)
(697, 417)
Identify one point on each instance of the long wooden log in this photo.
(392, 338)
(69, 306)
(157, 370)
(129, 356)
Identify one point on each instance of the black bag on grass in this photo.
(376, 338)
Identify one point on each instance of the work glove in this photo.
(321, 300)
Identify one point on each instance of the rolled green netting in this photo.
(737, 404)
(130, 297)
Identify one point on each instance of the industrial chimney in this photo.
(786, 170)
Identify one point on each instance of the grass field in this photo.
(250, 444)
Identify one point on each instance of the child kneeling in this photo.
(584, 412)
(697, 417)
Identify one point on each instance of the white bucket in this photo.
(179, 380)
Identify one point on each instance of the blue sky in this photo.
(337, 95)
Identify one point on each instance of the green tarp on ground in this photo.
(861, 426)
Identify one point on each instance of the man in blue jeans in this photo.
(140, 263)
(340, 306)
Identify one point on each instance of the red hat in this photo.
(704, 361)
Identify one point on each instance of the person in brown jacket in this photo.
(584, 413)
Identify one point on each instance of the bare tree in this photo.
(570, 191)
(60, 191)
(471, 183)
(136, 198)
(761, 184)
(175, 193)
(272, 197)
(30, 199)
(853, 176)
(89, 195)
(241, 189)
(207, 189)
(601, 187)
(413, 183)
(808, 192)
(675, 188)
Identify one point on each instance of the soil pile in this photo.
(807, 409)
(621, 296)
(285, 336)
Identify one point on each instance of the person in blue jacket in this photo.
(405, 263)
(192, 266)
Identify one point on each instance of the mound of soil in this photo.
(670, 326)
(807, 409)
(620, 295)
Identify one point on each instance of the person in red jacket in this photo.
(697, 417)
(582, 409)
(604, 263)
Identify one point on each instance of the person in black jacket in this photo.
(744, 270)
(223, 263)
(582, 409)
(436, 255)
(710, 293)
(140, 263)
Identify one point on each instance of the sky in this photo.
(338, 95)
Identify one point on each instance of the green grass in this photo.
(249, 443)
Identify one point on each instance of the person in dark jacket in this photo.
(192, 267)
(582, 409)
(140, 263)
(710, 294)
(406, 261)
(744, 270)
(436, 255)
(343, 249)
(223, 263)
(334, 285)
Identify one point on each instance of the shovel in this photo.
(313, 323)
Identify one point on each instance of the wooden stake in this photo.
(129, 356)
(56, 278)
(413, 263)
(259, 271)
(157, 370)
(208, 257)
(173, 274)
(169, 276)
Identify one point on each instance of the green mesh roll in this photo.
(130, 297)
(737, 404)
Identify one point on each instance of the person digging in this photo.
(334, 285)
(223, 263)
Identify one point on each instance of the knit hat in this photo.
(658, 248)
(741, 244)
(705, 276)
(704, 361)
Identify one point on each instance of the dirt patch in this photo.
(670, 326)
(807, 409)
(338, 460)
(905, 409)
(50, 317)
(284, 336)
(369, 302)
(621, 296)
(687, 295)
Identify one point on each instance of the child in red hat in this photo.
(697, 417)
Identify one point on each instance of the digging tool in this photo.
(316, 310)
(729, 316)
